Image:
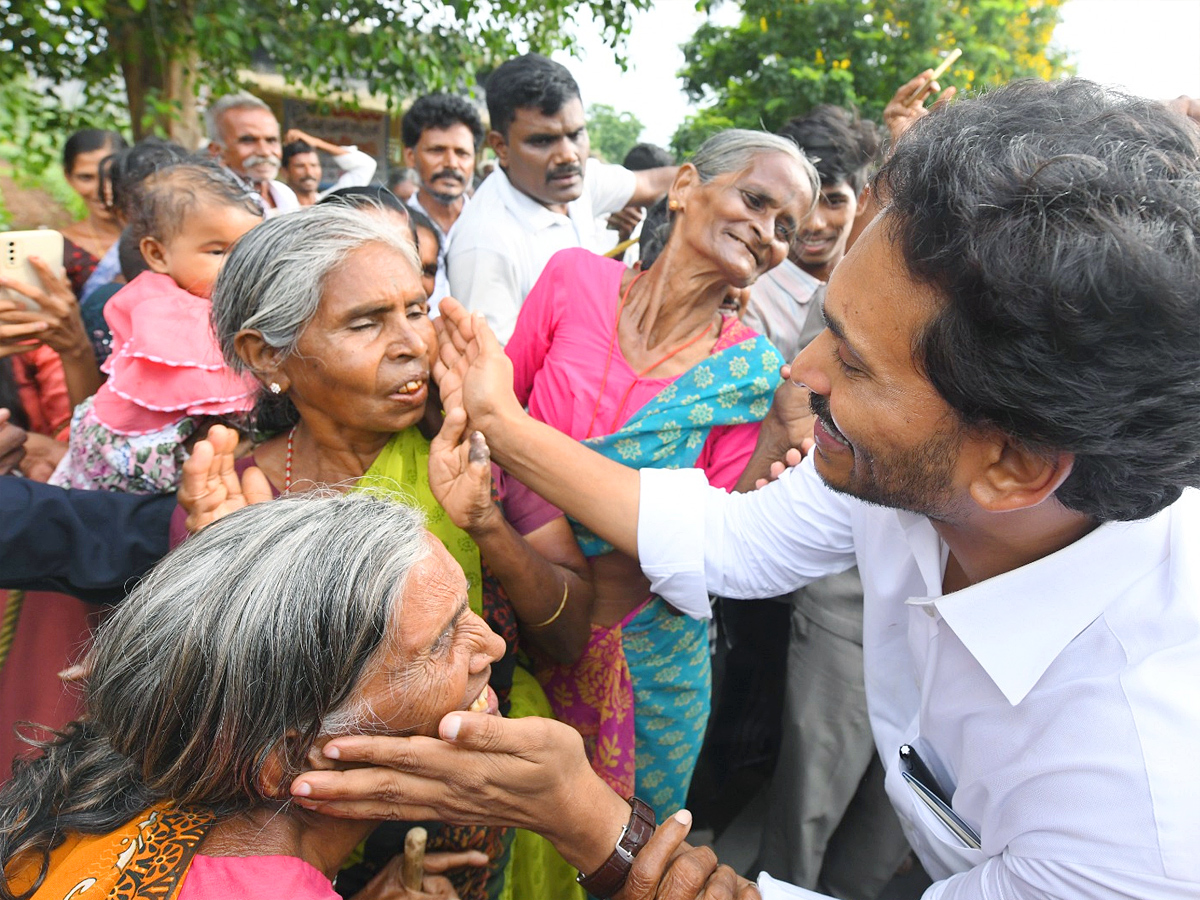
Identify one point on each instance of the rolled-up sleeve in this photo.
(695, 540)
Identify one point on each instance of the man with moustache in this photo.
(243, 135)
(546, 195)
(442, 133)
(303, 166)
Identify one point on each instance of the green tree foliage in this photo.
(786, 56)
(156, 53)
(612, 133)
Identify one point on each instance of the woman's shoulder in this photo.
(581, 261)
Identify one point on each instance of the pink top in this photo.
(254, 878)
(165, 364)
(559, 349)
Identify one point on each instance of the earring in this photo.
(275, 388)
(672, 205)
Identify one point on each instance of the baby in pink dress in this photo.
(165, 375)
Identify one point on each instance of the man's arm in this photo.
(86, 543)
(652, 185)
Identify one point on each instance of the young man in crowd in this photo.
(545, 196)
(442, 133)
(303, 165)
(243, 135)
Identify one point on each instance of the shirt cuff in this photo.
(671, 537)
(772, 889)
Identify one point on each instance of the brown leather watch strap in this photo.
(610, 877)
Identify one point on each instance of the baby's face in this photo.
(194, 256)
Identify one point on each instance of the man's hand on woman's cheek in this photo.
(531, 773)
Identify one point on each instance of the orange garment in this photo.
(42, 387)
(147, 857)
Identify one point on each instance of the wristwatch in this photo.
(610, 877)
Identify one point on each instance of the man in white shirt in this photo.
(442, 134)
(544, 197)
(303, 166)
(243, 135)
(1007, 446)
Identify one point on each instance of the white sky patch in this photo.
(1149, 47)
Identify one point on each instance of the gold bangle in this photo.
(557, 612)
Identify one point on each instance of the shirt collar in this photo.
(1016, 624)
(525, 208)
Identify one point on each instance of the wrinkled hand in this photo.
(12, 443)
(791, 413)
(667, 869)
(1186, 106)
(472, 370)
(623, 221)
(56, 322)
(485, 770)
(210, 488)
(908, 103)
(42, 455)
(388, 883)
(460, 473)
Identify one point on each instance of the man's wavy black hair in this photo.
(1060, 222)
(440, 111)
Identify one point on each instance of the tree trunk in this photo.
(158, 63)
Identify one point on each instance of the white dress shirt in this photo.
(441, 284)
(1058, 704)
(504, 239)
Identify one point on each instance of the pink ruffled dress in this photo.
(165, 374)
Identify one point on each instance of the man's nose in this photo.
(807, 367)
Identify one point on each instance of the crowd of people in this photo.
(334, 508)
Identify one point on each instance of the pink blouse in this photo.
(559, 349)
(254, 878)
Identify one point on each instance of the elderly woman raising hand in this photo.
(325, 307)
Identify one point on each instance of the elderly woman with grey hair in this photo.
(218, 681)
(648, 369)
(326, 309)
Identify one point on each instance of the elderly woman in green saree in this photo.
(326, 309)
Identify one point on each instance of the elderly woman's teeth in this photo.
(480, 703)
(410, 387)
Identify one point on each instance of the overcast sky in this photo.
(1151, 47)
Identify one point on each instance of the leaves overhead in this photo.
(157, 49)
(786, 56)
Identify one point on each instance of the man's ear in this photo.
(410, 156)
(499, 146)
(261, 357)
(155, 254)
(1018, 477)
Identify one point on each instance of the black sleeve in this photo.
(85, 543)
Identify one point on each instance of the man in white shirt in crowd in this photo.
(303, 166)
(442, 133)
(1006, 444)
(243, 135)
(544, 197)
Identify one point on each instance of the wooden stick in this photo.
(937, 73)
(413, 871)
